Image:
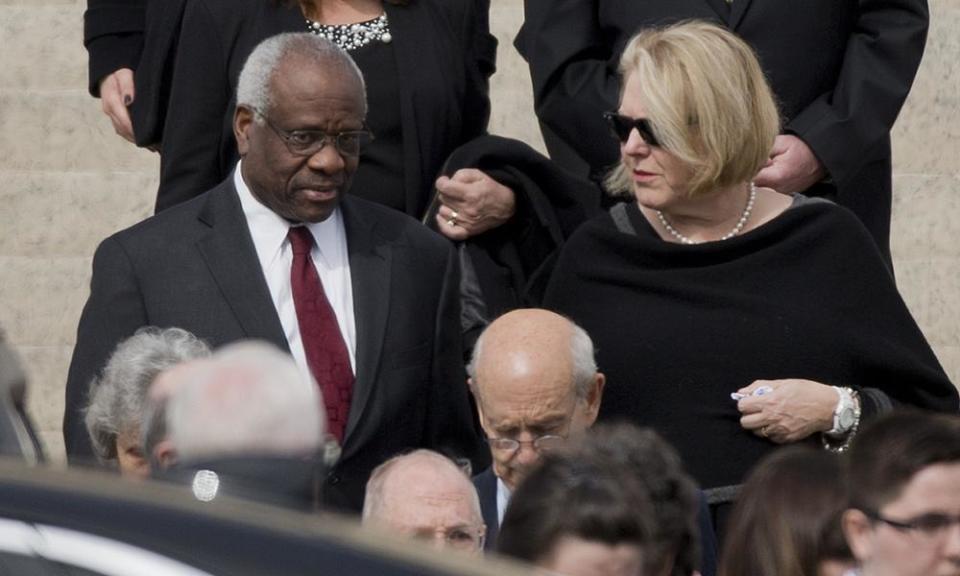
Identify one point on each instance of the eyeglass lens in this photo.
(622, 126)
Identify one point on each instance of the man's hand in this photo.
(791, 411)
(792, 166)
(116, 93)
(472, 203)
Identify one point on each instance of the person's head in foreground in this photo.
(904, 506)
(248, 400)
(578, 517)
(786, 520)
(696, 123)
(300, 125)
(673, 548)
(535, 380)
(115, 415)
(425, 495)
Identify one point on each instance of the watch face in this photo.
(846, 418)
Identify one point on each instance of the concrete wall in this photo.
(66, 182)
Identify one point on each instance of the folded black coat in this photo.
(507, 267)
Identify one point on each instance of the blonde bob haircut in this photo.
(707, 101)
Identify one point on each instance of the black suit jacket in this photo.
(486, 485)
(195, 267)
(840, 69)
(444, 55)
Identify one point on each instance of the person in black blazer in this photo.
(840, 69)
(130, 45)
(196, 266)
(429, 77)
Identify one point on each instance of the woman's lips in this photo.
(643, 176)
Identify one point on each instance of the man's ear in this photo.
(243, 119)
(858, 531)
(594, 398)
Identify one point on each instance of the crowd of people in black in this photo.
(688, 357)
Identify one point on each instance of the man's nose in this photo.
(527, 454)
(327, 159)
(952, 544)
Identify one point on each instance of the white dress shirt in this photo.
(503, 498)
(329, 254)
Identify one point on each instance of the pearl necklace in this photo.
(736, 229)
(353, 36)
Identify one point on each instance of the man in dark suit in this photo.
(364, 298)
(536, 385)
(535, 382)
(841, 70)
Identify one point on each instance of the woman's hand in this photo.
(791, 411)
(116, 94)
(472, 203)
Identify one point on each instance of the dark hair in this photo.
(891, 450)
(787, 517)
(675, 540)
(566, 497)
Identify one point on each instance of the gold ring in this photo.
(452, 221)
(453, 215)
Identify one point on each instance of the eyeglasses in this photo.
(509, 446)
(930, 528)
(457, 537)
(348, 143)
(622, 126)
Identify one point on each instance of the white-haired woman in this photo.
(730, 317)
(114, 416)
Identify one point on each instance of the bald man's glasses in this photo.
(348, 143)
(542, 444)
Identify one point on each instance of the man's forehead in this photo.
(301, 76)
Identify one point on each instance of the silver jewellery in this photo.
(736, 229)
(353, 36)
(453, 218)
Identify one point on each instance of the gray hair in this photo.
(374, 502)
(253, 88)
(582, 356)
(250, 399)
(117, 396)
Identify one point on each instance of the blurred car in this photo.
(89, 523)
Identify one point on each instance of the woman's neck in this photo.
(703, 218)
(335, 12)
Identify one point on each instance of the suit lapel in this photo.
(721, 8)
(370, 262)
(232, 260)
(737, 11)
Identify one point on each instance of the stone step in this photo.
(43, 46)
(41, 298)
(925, 223)
(66, 214)
(63, 131)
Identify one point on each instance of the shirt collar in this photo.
(269, 229)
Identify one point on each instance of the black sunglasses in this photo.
(622, 126)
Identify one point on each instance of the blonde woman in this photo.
(727, 316)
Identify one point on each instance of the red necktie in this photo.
(323, 344)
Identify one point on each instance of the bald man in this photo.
(425, 495)
(536, 384)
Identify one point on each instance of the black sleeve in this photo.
(113, 35)
(481, 62)
(574, 75)
(200, 99)
(881, 59)
(113, 312)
